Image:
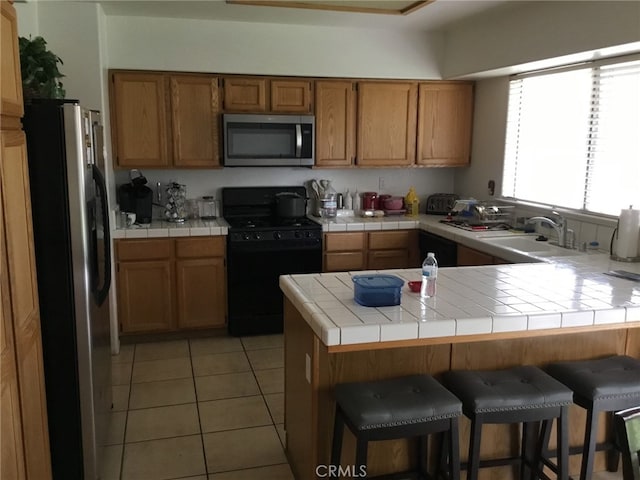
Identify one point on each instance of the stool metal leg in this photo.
(589, 444)
(361, 453)
(338, 432)
(563, 443)
(454, 450)
(613, 454)
(423, 446)
(474, 448)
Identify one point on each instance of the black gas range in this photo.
(260, 247)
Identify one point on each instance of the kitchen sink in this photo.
(529, 245)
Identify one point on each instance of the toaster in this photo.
(441, 203)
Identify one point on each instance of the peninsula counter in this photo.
(487, 317)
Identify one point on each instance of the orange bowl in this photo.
(415, 286)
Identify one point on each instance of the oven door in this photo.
(268, 140)
(254, 296)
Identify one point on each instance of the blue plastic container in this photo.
(377, 290)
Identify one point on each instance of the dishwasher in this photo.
(446, 250)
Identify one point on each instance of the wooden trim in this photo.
(412, 7)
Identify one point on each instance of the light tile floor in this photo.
(202, 409)
(198, 409)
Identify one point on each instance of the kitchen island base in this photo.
(312, 370)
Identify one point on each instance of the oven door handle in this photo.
(298, 140)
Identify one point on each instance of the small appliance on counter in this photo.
(175, 209)
(136, 197)
(441, 203)
(626, 236)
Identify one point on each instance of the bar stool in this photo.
(405, 407)
(522, 394)
(601, 385)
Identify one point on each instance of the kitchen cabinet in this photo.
(370, 250)
(471, 257)
(201, 282)
(165, 120)
(392, 249)
(171, 284)
(265, 94)
(24, 432)
(344, 252)
(386, 125)
(335, 123)
(445, 117)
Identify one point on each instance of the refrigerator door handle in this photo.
(103, 291)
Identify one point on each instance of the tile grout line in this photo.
(195, 392)
(126, 418)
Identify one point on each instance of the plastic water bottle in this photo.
(429, 276)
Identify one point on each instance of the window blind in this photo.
(573, 137)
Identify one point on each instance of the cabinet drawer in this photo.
(342, 262)
(336, 242)
(131, 250)
(389, 240)
(198, 247)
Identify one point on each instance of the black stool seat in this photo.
(601, 385)
(396, 402)
(524, 394)
(611, 378)
(519, 388)
(405, 407)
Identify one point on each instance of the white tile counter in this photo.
(562, 292)
(159, 228)
(358, 224)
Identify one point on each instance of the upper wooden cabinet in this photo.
(139, 121)
(195, 119)
(386, 128)
(335, 123)
(160, 120)
(10, 79)
(261, 94)
(445, 113)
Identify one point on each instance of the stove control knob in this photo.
(297, 234)
(277, 235)
(308, 234)
(246, 236)
(257, 236)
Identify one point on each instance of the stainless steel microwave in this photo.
(264, 140)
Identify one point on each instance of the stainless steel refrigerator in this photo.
(73, 262)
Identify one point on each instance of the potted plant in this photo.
(40, 74)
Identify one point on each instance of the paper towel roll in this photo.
(628, 233)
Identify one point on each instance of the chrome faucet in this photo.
(560, 226)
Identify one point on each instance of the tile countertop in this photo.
(558, 292)
(159, 228)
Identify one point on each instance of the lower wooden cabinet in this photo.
(470, 257)
(370, 250)
(171, 284)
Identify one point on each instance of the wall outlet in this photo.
(380, 184)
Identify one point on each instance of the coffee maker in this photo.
(136, 197)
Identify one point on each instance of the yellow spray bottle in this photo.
(412, 203)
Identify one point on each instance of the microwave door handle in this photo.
(298, 140)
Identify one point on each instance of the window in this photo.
(573, 137)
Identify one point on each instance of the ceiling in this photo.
(431, 17)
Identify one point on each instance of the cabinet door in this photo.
(145, 296)
(444, 124)
(344, 261)
(470, 257)
(245, 94)
(201, 292)
(385, 259)
(12, 451)
(195, 116)
(335, 123)
(386, 124)
(23, 298)
(291, 96)
(139, 121)
(10, 79)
